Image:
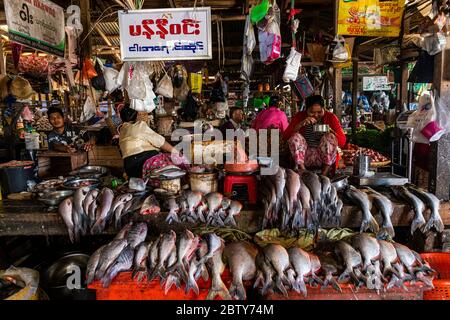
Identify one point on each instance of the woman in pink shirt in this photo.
(272, 117)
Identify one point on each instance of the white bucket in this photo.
(203, 182)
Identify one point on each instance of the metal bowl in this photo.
(54, 198)
(74, 184)
(90, 172)
(340, 183)
(321, 128)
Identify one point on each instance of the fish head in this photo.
(235, 206)
(226, 202)
(188, 234)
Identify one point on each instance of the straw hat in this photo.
(21, 88)
(3, 86)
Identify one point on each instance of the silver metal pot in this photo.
(321, 128)
(340, 183)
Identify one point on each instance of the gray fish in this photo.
(213, 201)
(326, 189)
(92, 265)
(435, 220)
(386, 209)
(90, 197)
(153, 254)
(234, 209)
(140, 259)
(65, 211)
(388, 257)
(120, 201)
(165, 246)
(137, 234)
(278, 258)
(172, 279)
(185, 242)
(293, 186)
(310, 215)
(351, 259)
(216, 267)
(118, 213)
(362, 201)
(123, 263)
(92, 212)
(214, 243)
(368, 247)
(301, 263)
(123, 233)
(191, 283)
(173, 207)
(312, 181)
(106, 198)
(411, 260)
(240, 257)
(264, 273)
(109, 255)
(329, 268)
(315, 267)
(78, 199)
(415, 203)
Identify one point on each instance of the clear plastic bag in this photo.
(136, 88)
(292, 66)
(434, 44)
(165, 87)
(425, 113)
(338, 50)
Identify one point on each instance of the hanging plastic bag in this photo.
(425, 114)
(269, 46)
(434, 43)
(136, 87)
(292, 66)
(89, 110)
(303, 87)
(195, 82)
(165, 87)
(337, 50)
(110, 76)
(249, 38)
(258, 12)
(98, 82)
(88, 69)
(437, 130)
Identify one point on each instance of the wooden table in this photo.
(53, 163)
(27, 218)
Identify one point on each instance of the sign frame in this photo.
(207, 56)
(383, 86)
(26, 16)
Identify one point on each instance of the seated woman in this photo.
(314, 149)
(272, 117)
(141, 146)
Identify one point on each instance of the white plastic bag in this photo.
(165, 87)
(292, 66)
(88, 110)
(425, 113)
(434, 44)
(338, 50)
(136, 88)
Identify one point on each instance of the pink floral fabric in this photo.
(325, 153)
(160, 161)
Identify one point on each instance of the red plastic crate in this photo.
(415, 292)
(439, 261)
(125, 288)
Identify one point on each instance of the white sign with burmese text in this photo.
(165, 34)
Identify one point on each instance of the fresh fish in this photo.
(234, 209)
(386, 209)
(399, 281)
(123, 233)
(368, 247)
(278, 258)
(166, 244)
(123, 263)
(264, 273)
(78, 198)
(109, 255)
(90, 197)
(411, 260)
(92, 265)
(201, 209)
(65, 211)
(214, 243)
(388, 257)
(301, 264)
(416, 205)
(350, 258)
(214, 202)
(92, 212)
(153, 254)
(315, 267)
(150, 206)
(432, 202)
(191, 283)
(240, 257)
(106, 198)
(216, 267)
(362, 201)
(293, 185)
(172, 279)
(280, 182)
(326, 189)
(185, 242)
(311, 180)
(329, 268)
(121, 200)
(140, 260)
(310, 215)
(173, 210)
(137, 234)
(118, 213)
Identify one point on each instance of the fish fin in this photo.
(343, 277)
(392, 271)
(335, 284)
(222, 292)
(192, 284)
(205, 274)
(302, 287)
(171, 280)
(152, 274)
(418, 223)
(435, 223)
(238, 291)
(317, 279)
(259, 279)
(98, 226)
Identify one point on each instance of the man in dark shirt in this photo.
(63, 136)
(234, 122)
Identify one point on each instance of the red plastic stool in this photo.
(231, 183)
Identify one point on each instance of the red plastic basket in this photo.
(440, 262)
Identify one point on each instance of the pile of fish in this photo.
(421, 200)
(292, 201)
(362, 260)
(92, 210)
(213, 209)
(173, 259)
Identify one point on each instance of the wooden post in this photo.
(403, 86)
(355, 60)
(439, 182)
(2, 59)
(337, 92)
(85, 7)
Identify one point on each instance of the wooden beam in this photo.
(86, 46)
(337, 92)
(2, 59)
(355, 89)
(216, 17)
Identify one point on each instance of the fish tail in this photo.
(171, 280)
(436, 223)
(418, 223)
(106, 281)
(343, 276)
(373, 225)
(90, 277)
(221, 291)
(98, 226)
(335, 285)
(192, 284)
(300, 283)
(391, 270)
(238, 291)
